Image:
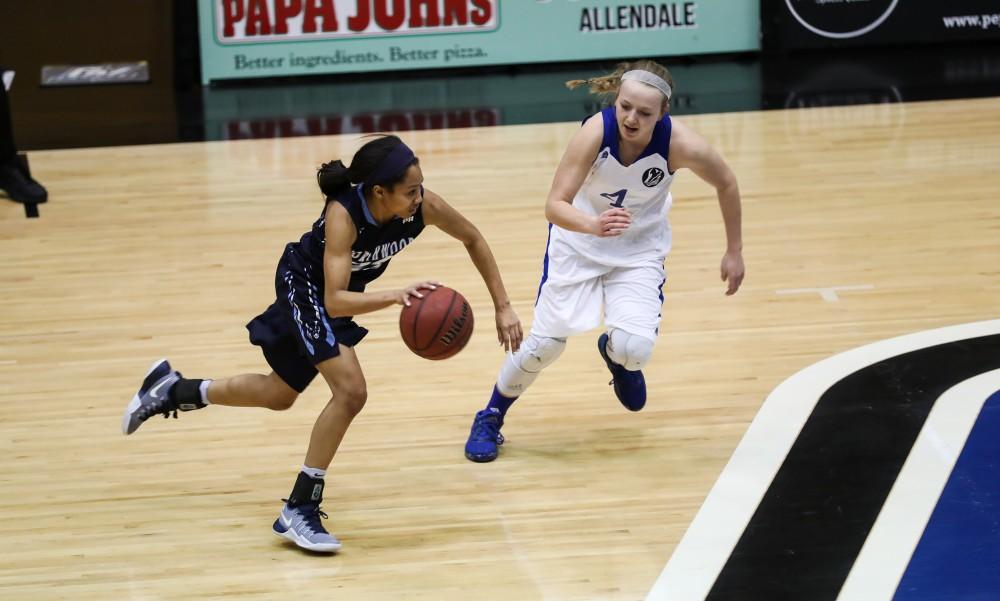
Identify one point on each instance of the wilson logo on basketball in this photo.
(652, 176)
(437, 324)
(456, 326)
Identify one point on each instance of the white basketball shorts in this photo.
(576, 293)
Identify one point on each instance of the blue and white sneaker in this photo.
(630, 386)
(485, 438)
(302, 526)
(153, 397)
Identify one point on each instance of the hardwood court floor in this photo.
(168, 250)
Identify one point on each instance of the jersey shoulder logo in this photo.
(652, 176)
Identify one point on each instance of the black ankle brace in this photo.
(186, 394)
(306, 490)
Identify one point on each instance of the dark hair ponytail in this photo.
(334, 177)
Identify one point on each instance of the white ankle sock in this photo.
(203, 389)
(313, 472)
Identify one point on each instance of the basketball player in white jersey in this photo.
(608, 239)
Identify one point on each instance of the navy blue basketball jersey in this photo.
(375, 244)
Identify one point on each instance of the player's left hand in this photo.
(732, 271)
(509, 332)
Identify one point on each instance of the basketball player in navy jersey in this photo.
(608, 239)
(374, 208)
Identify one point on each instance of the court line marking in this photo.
(883, 558)
(827, 293)
(703, 551)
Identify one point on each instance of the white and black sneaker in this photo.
(301, 525)
(153, 397)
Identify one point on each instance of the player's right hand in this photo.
(403, 296)
(612, 222)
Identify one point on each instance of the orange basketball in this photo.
(438, 325)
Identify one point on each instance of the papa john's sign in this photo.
(266, 38)
(251, 21)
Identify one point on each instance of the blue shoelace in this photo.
(486, 427)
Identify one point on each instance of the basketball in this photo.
(438, 325)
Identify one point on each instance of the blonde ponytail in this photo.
(606, 86)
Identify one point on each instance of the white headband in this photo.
(649, 79)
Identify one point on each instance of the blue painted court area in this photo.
(958, 556)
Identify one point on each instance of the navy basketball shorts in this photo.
(295, 332)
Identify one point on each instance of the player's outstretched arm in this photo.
(439, 213)
(688, 149)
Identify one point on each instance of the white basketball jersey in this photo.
(643, 188)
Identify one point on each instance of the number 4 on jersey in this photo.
(617, 198)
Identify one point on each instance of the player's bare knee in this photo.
(538, 352)
(352, 400)
(629, 350)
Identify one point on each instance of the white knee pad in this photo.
(537, 353)
(629, 350)
(521, 368)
